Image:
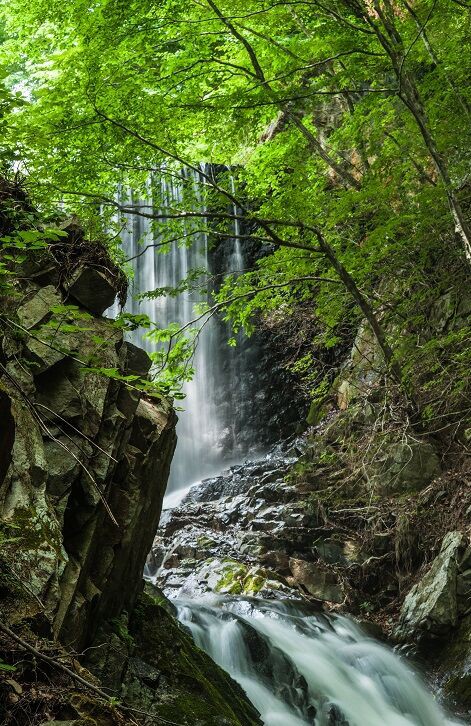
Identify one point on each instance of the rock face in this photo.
(78, 440)
(84, 462)
(435, 603)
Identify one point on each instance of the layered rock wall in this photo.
(71, 442)
(84, 463)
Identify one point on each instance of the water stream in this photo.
(296, 667)
(299, 669)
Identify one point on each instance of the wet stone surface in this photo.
(244, 532)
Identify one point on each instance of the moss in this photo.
(232, 580)
(120, 628)
(238, 579)
(253, 584)
(92, 711)
(191, 689)
(30, 529)
(205, 542)
(318, 409)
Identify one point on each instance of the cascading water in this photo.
(206, 439)
(297, 668)
(300, 669)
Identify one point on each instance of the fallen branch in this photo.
(75, 676)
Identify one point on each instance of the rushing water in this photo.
(296, 667)
(299, 669)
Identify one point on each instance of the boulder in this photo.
(364, 370)
(431, 607)
(92, 289)
(401, 467)
(319, 581)
(137, 360)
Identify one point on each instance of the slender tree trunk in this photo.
(363, 304)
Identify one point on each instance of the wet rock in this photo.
(239, 516)
(453, 664)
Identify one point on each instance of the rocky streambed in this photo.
(259, 576)
(243, 533)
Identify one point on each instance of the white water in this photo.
(342, 668)
(206, 439)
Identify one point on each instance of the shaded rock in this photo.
(156, 667)
(402, 467)
(364, 370)
(42, 355)
(431, 607)
(450, 312)
(453, 664)
(91, 289)
(137, 360)
(38, 306)
(63, 545)
(320, 582)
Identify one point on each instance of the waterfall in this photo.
(206, 429)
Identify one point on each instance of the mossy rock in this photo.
(176, 680)
(400, 467)
(454, 662)
(232, 578)
(318, 409)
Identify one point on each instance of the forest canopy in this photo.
(346, 125)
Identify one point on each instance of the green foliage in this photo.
(307, 105)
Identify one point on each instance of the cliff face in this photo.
(70, 442)
(84, 462)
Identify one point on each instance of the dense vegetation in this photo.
(346, 124)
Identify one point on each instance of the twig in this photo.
(75, 676)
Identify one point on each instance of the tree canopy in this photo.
(346, 124)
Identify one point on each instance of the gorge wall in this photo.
(85, 460)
